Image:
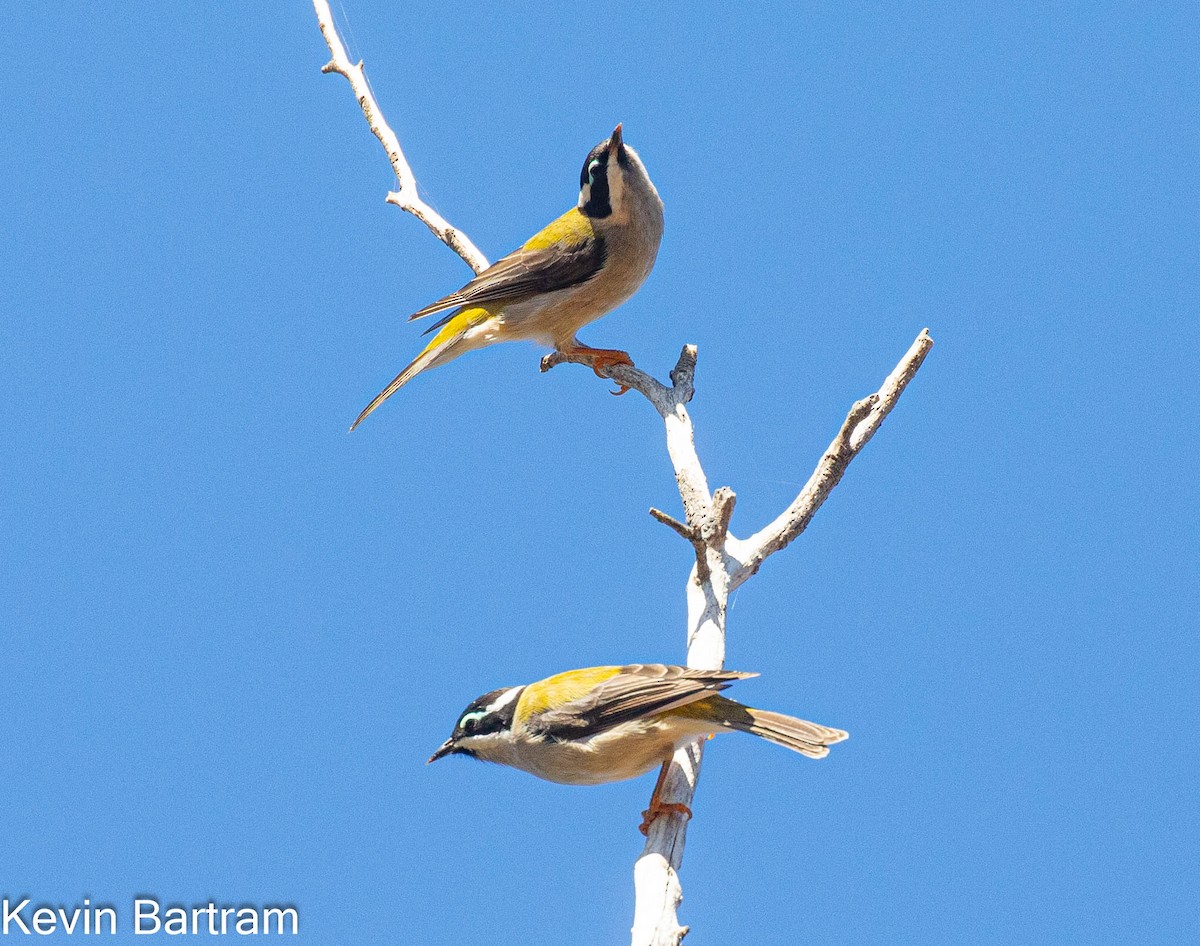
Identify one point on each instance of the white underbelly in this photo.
(549, 319)
(555, 317)
(611, 756)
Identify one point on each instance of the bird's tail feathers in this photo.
(440, 349)
(799, 735)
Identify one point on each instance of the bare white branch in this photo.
(859, 427)
(656, 876)
(405, 196)
(722, 561)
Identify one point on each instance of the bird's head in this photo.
(484, 729)
(614, 183)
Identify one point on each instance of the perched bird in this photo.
(583, 265)
(606, 724)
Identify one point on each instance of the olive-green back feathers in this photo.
(564, 254)
(580, 703)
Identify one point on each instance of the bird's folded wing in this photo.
(566, 253)
(625, 694)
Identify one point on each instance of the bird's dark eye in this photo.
(593, 166)
(470, 722)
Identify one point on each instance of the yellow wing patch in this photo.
(561, 688)
(710, 707)
(457, 324)
(571, 229)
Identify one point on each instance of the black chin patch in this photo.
(598, 204)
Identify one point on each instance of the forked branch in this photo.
(858, 428)
(723, 562)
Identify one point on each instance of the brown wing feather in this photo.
(633, 691)
(525, 273)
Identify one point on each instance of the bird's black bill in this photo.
(445, 749)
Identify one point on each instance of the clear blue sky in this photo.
(231, 633)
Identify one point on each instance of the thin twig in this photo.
(648, 386)
(405, 196)
(858, 428)
(693, 537)
(672, 523)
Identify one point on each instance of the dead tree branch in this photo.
(859, 427)
(405, 196)
(723, 562)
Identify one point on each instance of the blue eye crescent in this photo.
(470, 719)
(593, 167)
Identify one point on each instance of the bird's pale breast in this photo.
(555, 317)
(620, 753)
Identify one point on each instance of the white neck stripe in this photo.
(504, 699)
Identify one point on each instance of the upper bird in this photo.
(583, 265)
(605, 724)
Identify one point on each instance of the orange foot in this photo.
(601, 358)
(659, 808)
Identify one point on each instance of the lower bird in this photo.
(581, 266)
(607, 724)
